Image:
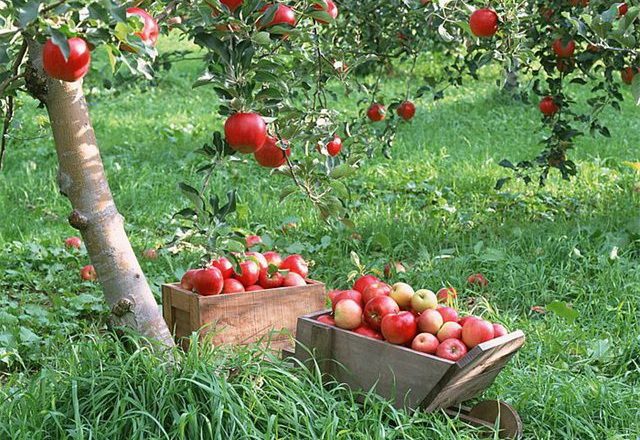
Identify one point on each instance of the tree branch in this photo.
(5, 128)
(171, 6)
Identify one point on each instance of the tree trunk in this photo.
(511, 84)
(81, 178)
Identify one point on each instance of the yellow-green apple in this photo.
(363, 282)
(88, 273)
(187, 279)
(347, 294)
(348, 314)
(375, 289)
(367, 331)
(327, 319)
(446, 293)
(449, 314)
(399, 328)
(449, 330)
(451, 349)
(402, 294)
(476, 331)
(425, 343)
(430, 321)
(423, 299)
(376, 309)
(499, 330)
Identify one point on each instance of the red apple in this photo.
(348, 314)
(406, 110)
(402, 293)
(563, 48)
(187, 279)
(424, 299)
(449, 314)
(88, 273)
(449, 330)
(271, 281)
(445, 293)
(376, 309)
(254, 288)
(258, 258)
(425, 343)
(476, 331)
(224, 266)
(375, 289)
(326, 319)
(231, 285)
(150, 31)
(451, 349)
(346, 294)
(150, 254)
(249, 273)
(464, 319)
(399, 328)
(334, 146)
(73, 243)
(499, 330)
(245, 132)
(483, 23)
(295, 263)
(365, 330)
(208, 282)
(273, 258)
(329, 7)
(293, 279)
(363, 282)
(430, 321)
(74, 67)
(477, 278)
(252, 240)
(376, 112)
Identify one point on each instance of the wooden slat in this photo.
(167, 309)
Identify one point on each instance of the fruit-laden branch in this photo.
(81, 178)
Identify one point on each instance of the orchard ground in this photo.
(432, 206)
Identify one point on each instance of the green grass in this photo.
(433, 207)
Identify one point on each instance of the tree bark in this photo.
(81, 178)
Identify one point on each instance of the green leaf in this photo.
(342, 170)
(60, 40)
(563, 310)
(28, 13)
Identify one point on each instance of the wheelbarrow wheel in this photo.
(499, 414)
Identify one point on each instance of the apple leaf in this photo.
(563, 310)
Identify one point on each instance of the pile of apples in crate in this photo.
(402, 316)
(256, 271)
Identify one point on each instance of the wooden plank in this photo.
(475, 372)
(167, 309)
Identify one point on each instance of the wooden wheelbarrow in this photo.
(411, 379)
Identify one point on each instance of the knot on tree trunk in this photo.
(78, 220)
(36, 83)
(122, 307)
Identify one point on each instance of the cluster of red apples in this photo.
(416, 319)
(255, 271)
(76, 64)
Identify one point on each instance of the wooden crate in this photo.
(410, 378)
(241, 318)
